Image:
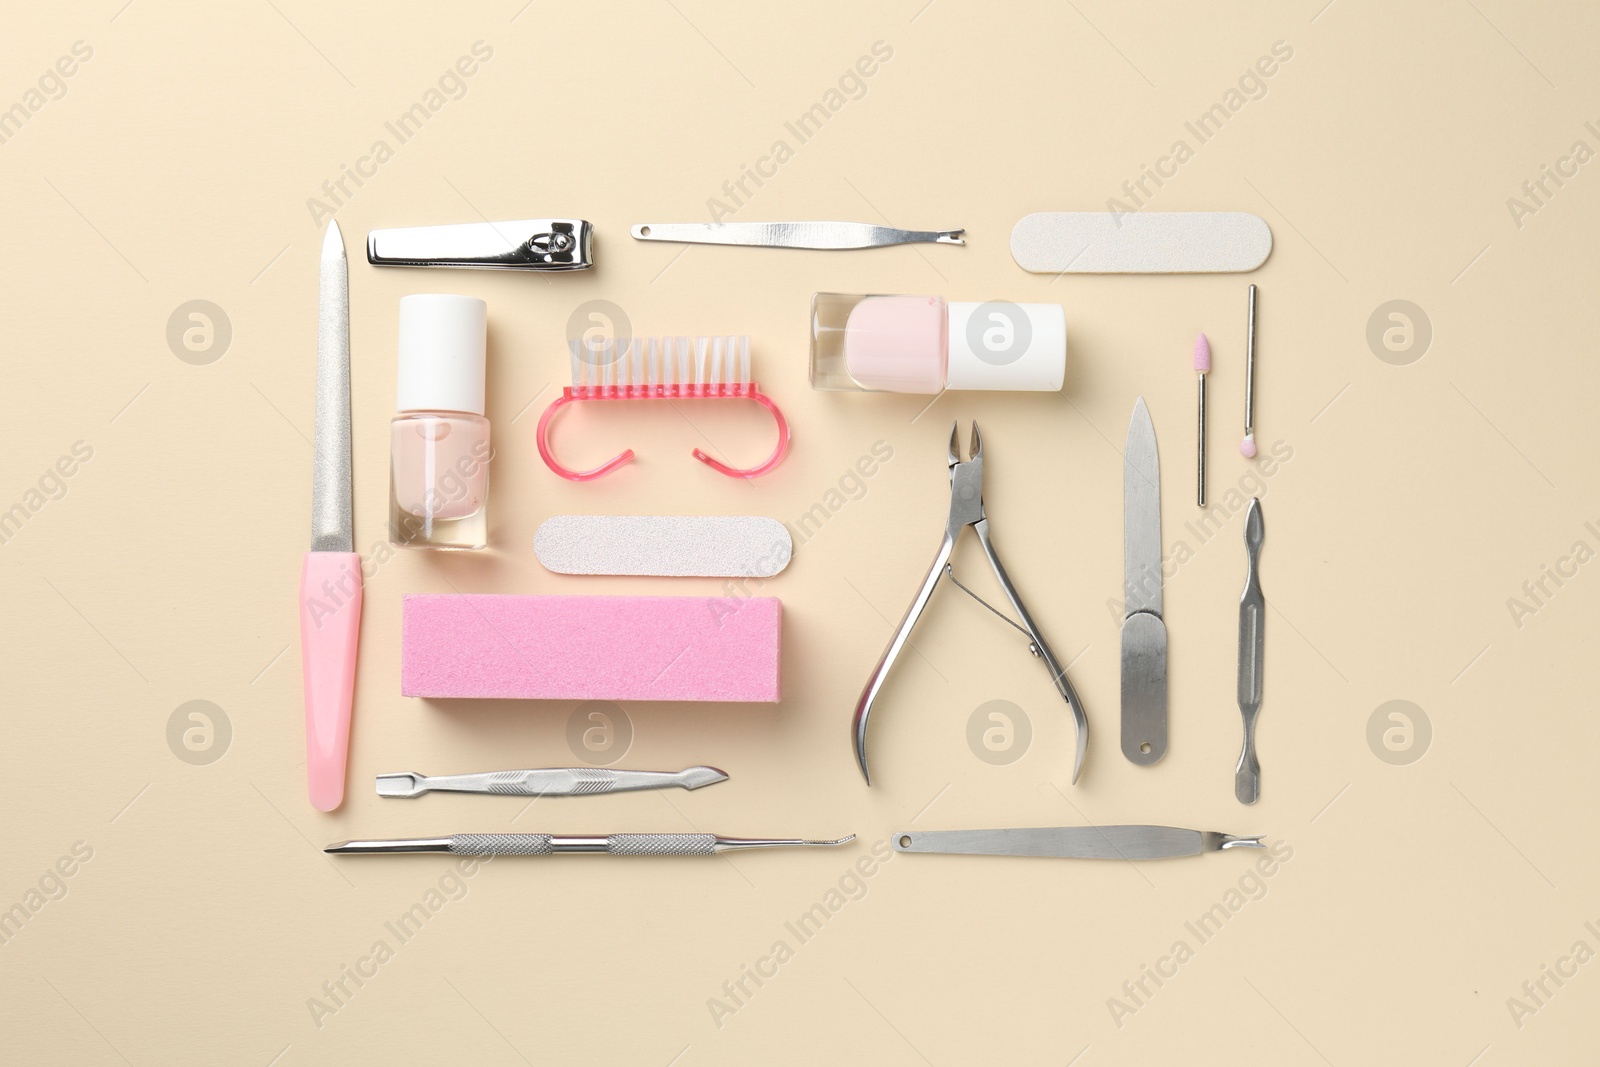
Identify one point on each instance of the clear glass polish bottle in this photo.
(923, 344)
(439, 441)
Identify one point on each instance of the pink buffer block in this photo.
(590, 647)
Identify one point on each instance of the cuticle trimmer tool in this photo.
(547, 781)
(563, 844)
(330, 578)
(1074, 842)
(966, 509)
(1252, 623)
(524, 244)
(1144, 633)
(828, 236)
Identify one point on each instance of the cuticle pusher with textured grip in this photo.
(825, 236)
(547, 781)
(562, 844)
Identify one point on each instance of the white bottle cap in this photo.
(1001, 345)
(442, 341)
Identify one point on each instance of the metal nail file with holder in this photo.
(966, 509)
(1144, 631)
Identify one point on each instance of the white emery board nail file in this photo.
(672, 546)
(1141, 242)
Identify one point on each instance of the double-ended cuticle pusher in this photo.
(547, 781)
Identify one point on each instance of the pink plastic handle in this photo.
(330, 630)
(771, 461)
(685, 392)
(543, 438)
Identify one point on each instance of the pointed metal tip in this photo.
(1230, 841)
(955, 442)
(697, 777)
(340, 846)
(845, 840)
(952, 237)
(976, 451)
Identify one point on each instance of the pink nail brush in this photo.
(330, 580)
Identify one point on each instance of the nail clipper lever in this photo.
(966, 509)
(525, 244)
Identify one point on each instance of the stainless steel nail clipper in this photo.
(527, 244)
(966, 509)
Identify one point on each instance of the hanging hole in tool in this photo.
(644, 231)
(905, 841)
(1144, 746)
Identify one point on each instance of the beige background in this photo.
(1418, 899)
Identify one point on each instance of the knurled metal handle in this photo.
(500, 844)
(662, 844)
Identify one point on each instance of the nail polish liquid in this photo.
(439, 441)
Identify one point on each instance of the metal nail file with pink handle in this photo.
(330, 580)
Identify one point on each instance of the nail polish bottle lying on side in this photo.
(439, 441)
(921, 344)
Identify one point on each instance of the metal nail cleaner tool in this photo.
(547, 781)
(1144, 634)
(561, 845)
(1252, 619)
(830, 236)
(966, 509)
(527, 244)
(1074, 842)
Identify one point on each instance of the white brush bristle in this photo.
(707, 362)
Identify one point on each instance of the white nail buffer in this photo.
(675, 546)
(1140, 242)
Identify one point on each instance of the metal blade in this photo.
(1069, 842)
(823, 235)
(332, 528)
(1141, 515)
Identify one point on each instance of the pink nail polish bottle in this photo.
(439, 442)
(921, 344)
